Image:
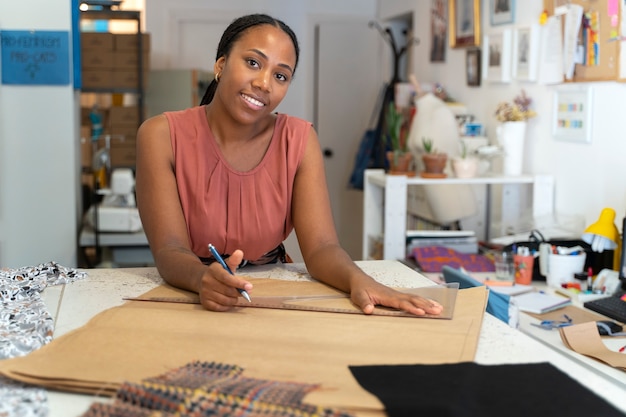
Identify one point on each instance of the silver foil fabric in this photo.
(26, 325)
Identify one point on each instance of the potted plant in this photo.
(398, 157)
(434, 161)
(465, 165)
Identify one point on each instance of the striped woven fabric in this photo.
(211, 389)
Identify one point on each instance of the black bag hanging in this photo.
(374, 145)
(371, 153)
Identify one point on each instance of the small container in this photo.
(505, 267)
(582, 278)
(523, 269)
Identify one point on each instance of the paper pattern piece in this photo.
(585, 339)
(139, 340)
(209, 388)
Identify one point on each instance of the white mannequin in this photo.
(450, 202)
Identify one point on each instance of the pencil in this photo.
(219, 259)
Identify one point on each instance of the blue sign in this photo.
(35, 57)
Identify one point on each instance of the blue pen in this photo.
(219, 259)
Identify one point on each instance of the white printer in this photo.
(118, 210)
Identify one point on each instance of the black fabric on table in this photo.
(469, 389)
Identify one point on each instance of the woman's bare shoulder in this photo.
(154, 125)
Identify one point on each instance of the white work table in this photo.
(72, 305)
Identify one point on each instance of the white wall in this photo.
(38, 138)
(297, 14)
(38, 154)
(588, 177)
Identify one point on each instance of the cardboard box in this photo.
(129, 132)
(86, 148)
(128, 60)
(128, 42)
(97, 59)
(124, 154)
(127, 79)
(97, 78)
(124, 116)
(113, 141)
(102, 41)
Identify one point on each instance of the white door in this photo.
(348, 83)
(194, 36)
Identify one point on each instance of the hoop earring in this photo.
(217, 77)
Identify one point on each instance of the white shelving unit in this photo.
(385, 204)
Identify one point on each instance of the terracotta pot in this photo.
(400, 163)
(434, 163)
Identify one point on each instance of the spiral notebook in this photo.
(539, 302)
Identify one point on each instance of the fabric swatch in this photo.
(433, 258)
(211, 389)
(468, 389)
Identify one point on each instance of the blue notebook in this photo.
(497, 303)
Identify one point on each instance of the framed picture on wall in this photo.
(525, 53)
(497, 57)
(501, 11)
(438, 30)
(464, 25)
(472, 65)
(572, 114)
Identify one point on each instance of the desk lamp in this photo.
(602, 235)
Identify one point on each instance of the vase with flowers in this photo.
(511, 132)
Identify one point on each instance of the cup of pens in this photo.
(523, 262)
(562, 265)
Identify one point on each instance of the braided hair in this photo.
(234, 31)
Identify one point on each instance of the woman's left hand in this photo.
(369, 295)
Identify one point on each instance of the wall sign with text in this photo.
(35, 57)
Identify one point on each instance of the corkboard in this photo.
(608, 68)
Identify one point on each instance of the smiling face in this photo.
(256, 74)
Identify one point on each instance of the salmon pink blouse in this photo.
(232, 210)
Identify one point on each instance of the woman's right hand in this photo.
(218, 288)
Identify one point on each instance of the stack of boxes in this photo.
(110, 60)
(110, 65)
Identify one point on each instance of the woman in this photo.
(233, 173)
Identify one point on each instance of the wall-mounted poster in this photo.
(35, 57)
(573, 114)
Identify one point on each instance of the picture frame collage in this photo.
(505, 54)
(509, 53)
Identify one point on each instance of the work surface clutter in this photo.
(176, 358)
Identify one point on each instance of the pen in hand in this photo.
(219, 259)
